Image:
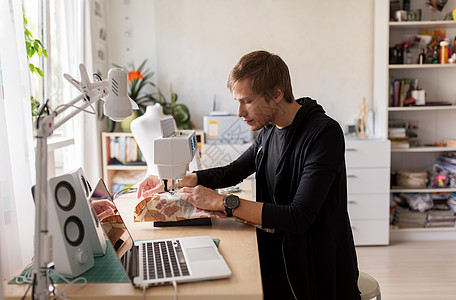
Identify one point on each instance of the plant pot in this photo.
(125, 124)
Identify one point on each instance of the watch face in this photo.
(232, 201)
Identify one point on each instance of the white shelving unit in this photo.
(436, 123)
(110, 170)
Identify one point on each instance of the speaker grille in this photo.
(65, 195)
(74, 231)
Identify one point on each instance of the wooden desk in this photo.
(238, 246)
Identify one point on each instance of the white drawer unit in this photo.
(367, 153)
(367, 232)
(367, 207)
(368, 181)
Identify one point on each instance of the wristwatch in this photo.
(231, 202)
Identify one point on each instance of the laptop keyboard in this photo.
(163, 259)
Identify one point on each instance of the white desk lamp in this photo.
(117, 107)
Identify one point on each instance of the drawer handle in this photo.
(351, 176)
(352, 201)
(350, 149)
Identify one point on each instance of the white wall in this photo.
(328, 46)
(131, 32)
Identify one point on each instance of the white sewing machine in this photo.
(173, 152)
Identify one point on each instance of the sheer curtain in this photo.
(16, 146)
(70, 39)
(67, 49)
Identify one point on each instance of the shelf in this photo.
(126, 167)
(422, 190)
(424, 149)
(423, 66)
(422, 24)
(422, 108)
(424, 229)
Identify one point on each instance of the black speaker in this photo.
(68, 209)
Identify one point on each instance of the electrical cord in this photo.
(26, 292)
(92, 112)
(98, 76)
(124, 191)
(68, 283)
(286, 269)
(175, 289)
(144, 287)
(26, 276)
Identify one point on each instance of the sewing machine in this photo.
(173, 152)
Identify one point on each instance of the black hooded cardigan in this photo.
(311, 255)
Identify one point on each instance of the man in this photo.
(301, 186)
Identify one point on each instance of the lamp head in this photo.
(118, 105)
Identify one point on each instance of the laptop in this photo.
(157, 262)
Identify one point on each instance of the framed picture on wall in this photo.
(101, 33)
(98, 9)
(101, 54)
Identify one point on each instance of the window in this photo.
(61, 26)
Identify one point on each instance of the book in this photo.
(399, 142)
(410, 219)
(391, 94)
(396, 132)
(397, 84)
(440, 218)
(122, 150)
(400, 90)
(450, 143)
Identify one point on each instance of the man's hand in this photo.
(202, 198)
(103, 208)
(151, 185)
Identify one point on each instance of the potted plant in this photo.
(139, 78)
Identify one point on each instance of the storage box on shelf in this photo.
(122, 160)
(433, 122)
(368, 166)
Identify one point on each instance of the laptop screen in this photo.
(114, 226)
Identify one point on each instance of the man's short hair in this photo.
(265, 71)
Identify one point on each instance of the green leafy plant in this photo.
(35, 48)
(139, 78)
(179, 112)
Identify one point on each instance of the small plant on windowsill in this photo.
(140, 78)
(35, 49)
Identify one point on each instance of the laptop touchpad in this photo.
(202, 253)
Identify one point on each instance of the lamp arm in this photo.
(77, 109)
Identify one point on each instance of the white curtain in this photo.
(17, 168)
(16, 147)
(71, 46)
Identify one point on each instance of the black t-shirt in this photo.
(276, 146)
